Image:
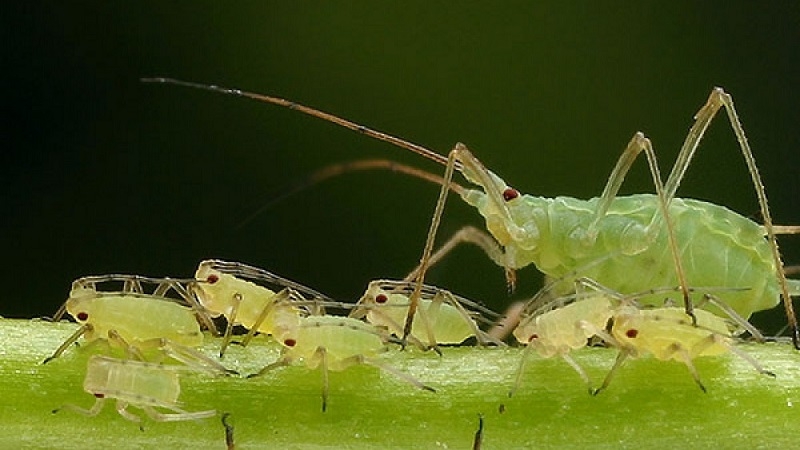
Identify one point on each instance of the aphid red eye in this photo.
(212, 279)
(381, 298)
(632, 333)
(533, 337)
(510, 194)
(99, 395)
(289, 342)
(82, 316)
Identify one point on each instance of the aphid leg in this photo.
(520, 370)
(280, 297)
(745, 356)
(189, 296)
(133, 352)
(686, 358)
(99, 402)
(584, 376)
(483, 338)
(635, 147)
(739, 320)
(70, 340)
(621, 357)
(226, 339)
(471, 235)
(716, 100)
(188, 356)
(178, 415)
(283, 362)
(429, 241)
(396, 372)
(122, 409)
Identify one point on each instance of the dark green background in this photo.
(105, 174)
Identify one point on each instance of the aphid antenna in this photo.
(338, 169)
(361, 129)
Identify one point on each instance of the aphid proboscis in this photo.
(334, 343)
(709, 244)
(442, 317)
(135, 383)
(668, 334)
(135, 320)
(223, 289)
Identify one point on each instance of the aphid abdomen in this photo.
(718, 248)
(135, 382)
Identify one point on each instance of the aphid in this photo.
(223, 289)
(557, 329)
(136, 321)
(668, 334)
(334, 343)
(135, 383)
(707, 244)
(442, 317)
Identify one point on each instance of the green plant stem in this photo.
(649, 404)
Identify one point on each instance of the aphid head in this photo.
(509, 215)
(210, 288)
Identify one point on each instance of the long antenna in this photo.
(381, 136)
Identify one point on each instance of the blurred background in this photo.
(106, 174)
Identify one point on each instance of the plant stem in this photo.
(649, 404)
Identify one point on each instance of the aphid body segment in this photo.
(443, 318)
(135, 383)
(334, 343)
(668, 334)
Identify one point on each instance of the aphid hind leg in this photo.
(577, 368)
(685, 357)
(360, 359)
(638, 144)
(122, 409)
(716, 100)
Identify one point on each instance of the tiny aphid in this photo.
(334, 343)
(656, 240)
(559, 331)
(136, 321)
(135, 383)
(223, 288)
(668, 334)
(442, 317)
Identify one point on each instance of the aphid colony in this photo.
(613, 262)
(156, 322)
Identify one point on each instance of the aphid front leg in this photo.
(73, 338)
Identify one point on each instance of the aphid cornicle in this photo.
(443, 317)
(223, 288)
(334, 343)
(135, 320)
(655, 240)
(135, 383)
